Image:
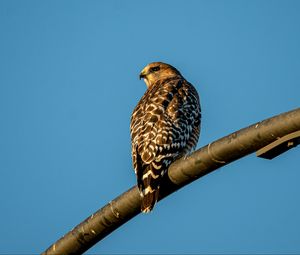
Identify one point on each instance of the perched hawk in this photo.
(165, 125)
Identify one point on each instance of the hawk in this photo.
(165, 125)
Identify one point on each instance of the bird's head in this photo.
(156, 71)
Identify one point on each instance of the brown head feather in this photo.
(156, 71)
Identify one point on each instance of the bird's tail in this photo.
(149, 201)
(149, 187)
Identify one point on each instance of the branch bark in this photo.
(182, 172)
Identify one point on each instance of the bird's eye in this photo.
(155, 69)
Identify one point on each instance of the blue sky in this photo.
(69, 82)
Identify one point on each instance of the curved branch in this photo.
(183, 171)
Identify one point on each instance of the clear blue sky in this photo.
(69, 82)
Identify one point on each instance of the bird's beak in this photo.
(142, 75)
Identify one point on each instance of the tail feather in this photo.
(149, 188)
(149, 201)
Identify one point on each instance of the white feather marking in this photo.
(150, 173)
(146, 210)
(148, 190)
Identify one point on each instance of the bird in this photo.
(164, 126)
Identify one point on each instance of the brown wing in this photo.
(164, 126)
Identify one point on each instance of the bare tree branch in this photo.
(183, 171)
